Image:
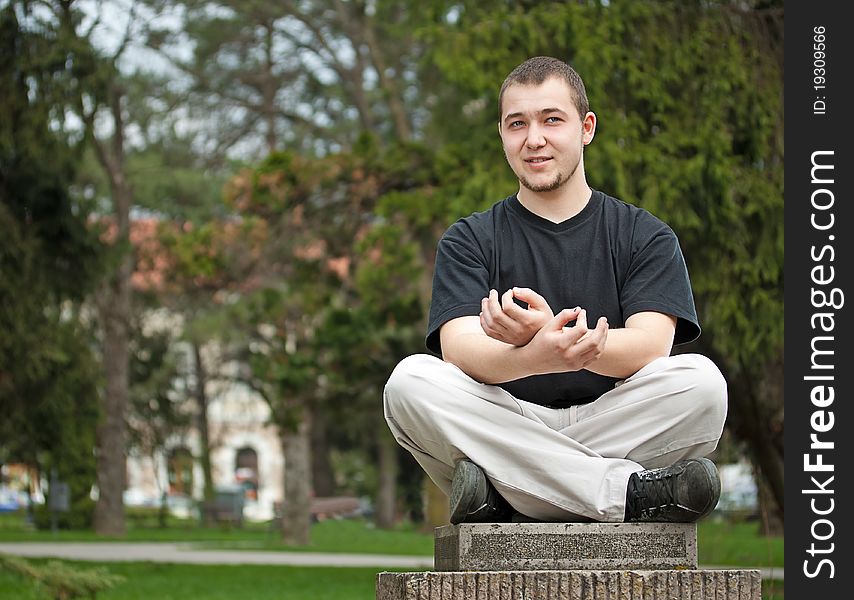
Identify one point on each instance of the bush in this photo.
(60, 580)
(80, 515)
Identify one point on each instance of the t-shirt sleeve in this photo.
(657, 279)
(460, 280)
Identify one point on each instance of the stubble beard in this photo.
(545, 187)
(556, 183)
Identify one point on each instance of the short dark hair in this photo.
(536, 70)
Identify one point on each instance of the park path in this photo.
(189, 553)
(166, 552)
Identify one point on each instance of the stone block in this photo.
(571, 585)
(565, 546)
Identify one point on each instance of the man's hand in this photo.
(557, 349)
(508, 322)
(554, 348)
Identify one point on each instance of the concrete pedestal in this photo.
(568, 561)
(565, 546)
(571, 585)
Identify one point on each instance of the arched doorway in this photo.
(246, 471)
(179, 466)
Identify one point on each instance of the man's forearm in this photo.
(555, 348)
(627, 350)
(490, 361)
(559, 349)
(487, 360)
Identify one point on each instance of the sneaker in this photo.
(681, 493)
(474, 499)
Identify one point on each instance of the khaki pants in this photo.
(569, 464)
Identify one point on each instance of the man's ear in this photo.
(588, 128)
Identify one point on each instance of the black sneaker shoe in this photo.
(473, 499)
(681, 493)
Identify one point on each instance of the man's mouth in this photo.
(538, 159)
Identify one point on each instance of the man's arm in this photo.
(554, 348)
(647, 335)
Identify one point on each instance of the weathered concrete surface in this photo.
(571, 585)
(565, 546)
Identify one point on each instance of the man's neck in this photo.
(558, 205)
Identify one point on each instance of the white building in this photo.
(245, 451)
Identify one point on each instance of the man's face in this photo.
(543, 134)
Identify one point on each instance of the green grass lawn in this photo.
(728, 543)
(168, 581)
(13, 527)
(144, 581)
(351, 536)
(327, 536)
(720, 543)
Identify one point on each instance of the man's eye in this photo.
(517, 123)
(553, 120)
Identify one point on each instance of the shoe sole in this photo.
(715, 480)
(469, 484)
(687, 468)
(710, 471)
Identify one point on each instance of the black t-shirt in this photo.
(612, 259)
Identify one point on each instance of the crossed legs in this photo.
(557, 464)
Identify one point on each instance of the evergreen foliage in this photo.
(49, 261)
(60, 580)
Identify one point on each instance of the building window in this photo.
(180, 468)
(246, 471)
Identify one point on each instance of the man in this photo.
(555, 312)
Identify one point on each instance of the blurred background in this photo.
(219, 222)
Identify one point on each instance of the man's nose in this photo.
(535, 138)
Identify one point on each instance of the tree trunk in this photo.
(769, 513)
(296, 509)
(759, 424)
(768, 467)
(204, 434)
(770, 458)
(268, 88)
(388, 85)
(387, 485)
(755, 419)
(322, 475)
(115, 310)
(109, 518)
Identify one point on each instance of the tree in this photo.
(172, 193)
(338, 291)
(84, 83)
(100, 93)
(303, 75)
(48, 395)
(180, 196)
(311, 77)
